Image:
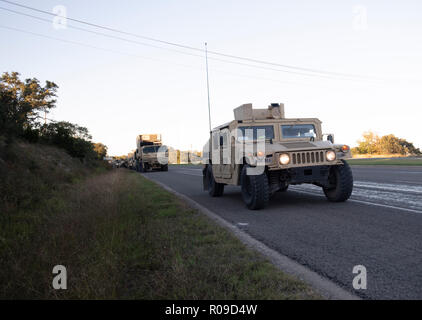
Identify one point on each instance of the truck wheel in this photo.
(141, 167)
(255, 189)
(341, 181)
(283, 189)
(215, 189)
(165, 168)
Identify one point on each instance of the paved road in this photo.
(380, 227)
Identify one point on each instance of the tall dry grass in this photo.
(121, 236)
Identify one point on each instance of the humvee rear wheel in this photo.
(255, 189)
(215, 189)
(341, 181)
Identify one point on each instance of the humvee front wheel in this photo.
(341, 183)
(215, 189)
(255, 189)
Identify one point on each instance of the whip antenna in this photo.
(208, 86)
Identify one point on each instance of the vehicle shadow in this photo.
(281, 200)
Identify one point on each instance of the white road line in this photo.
(243, 224)
(386, 206)
(388, 187)
(364, 202)
(411, 182)
(189, 174)
(389, 170)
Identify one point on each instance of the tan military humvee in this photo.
(150, 153)
(264, 152)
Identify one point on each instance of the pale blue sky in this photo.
(118, 96)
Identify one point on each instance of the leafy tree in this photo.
(368, 144)
(409, 148)
(71, 137)
(388, 144)
(21, 103)
(101, 150)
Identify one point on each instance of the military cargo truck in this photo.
(263, 152)
(150, 153)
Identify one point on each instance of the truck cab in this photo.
(150, 153)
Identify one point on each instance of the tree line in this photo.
(24, 106)
(371, 143)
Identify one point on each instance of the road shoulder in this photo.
(325, 287)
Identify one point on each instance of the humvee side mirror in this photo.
(330, 137)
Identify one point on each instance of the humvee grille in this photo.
(307, 157)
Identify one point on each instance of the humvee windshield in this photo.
(256, 133)
(298, 131)
(153, 149)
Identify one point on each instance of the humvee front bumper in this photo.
(311, 174)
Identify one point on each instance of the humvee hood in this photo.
(280, 146)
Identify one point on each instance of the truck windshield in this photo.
(298, 131)
(153, 149)
(256, 133)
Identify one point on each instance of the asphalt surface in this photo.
(380, 227)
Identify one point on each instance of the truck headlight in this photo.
(330, 155)
(284, 158)
(260, 155)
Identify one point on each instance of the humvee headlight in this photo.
(330, 155)
(345, 148)
(284, 158)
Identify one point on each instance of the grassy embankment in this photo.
(122, 236)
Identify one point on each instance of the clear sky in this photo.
(128, 89)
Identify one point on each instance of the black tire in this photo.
(165, 168)
(141, 167)
(255, 189)
(284, 189)
(215, 189)
(341, 179)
